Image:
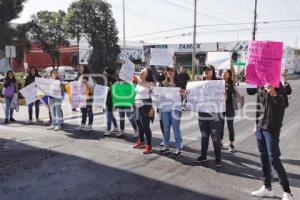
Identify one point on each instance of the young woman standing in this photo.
(171, 116)
(144, 110)
(229, 114)
(87, 84)
(55, 106)
(9, 90)
(110, 117)
(210, 124)
(30, 78)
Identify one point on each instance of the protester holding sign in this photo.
(271, 105)
(30, 78)
(9, 91)
(144, 110)
(128, 111)
(229, 113)
(55, 106)
(110, 118)
(171, 115)
(210, 124)
(86, 83)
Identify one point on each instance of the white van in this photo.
(65, 73)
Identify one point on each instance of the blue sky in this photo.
(223, 20)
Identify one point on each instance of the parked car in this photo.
(65, 73)
(1, 78)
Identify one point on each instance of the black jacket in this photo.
(270, 110)
(183, 79)
(110, 81)
(30, 79)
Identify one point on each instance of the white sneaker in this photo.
(181, 146)
(28, 122)
(50, 127)
(107, 133)
(57, 128)
(287, 196)
(120, 134)
(116, 129)
(88, 128)
(80, 128)
(263, 192)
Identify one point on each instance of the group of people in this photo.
(271, 104)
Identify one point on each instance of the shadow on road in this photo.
(27, 172)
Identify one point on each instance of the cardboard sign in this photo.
(77, 95)
(49, 87)
(167, 98)
(127, 71)
(206, 96)
(264, 63)
(100, 95)
(163, 57)
(220, 60)
(30, 93)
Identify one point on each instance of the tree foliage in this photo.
(93, 20)
(9, 10)
(48, 30)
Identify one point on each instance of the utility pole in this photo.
(124, 33)
(194, 41)
(254, 23)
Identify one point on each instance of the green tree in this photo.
(9, 10)
(48, 30)
(93, 20)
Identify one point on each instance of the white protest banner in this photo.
(49, 87)
(100, 95)
(127, 71)
(206, 96)
(166, 98)
(220, 60)
(29, 93)
(77, 95)
(161, 56)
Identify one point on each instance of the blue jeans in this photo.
(172, 119)
(130, 115)
(110, 117)
(8, 111)
(56, 111)
(268, 146)
(210, 124)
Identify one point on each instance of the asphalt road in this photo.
(40, 164)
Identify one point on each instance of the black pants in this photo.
(230, 119)
(130, 116)
(268, 146)
(37, 109)
(210, 125)
(143, 123)
(87, 112)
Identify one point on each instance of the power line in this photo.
(213, 25)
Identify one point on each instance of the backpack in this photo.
(9, 91)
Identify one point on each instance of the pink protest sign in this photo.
(264, 63)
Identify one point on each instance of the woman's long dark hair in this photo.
(149, 77)
(214, 76)
(229, 81)
(36, 71)
(7, 77)
(85, 70)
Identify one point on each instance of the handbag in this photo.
(151, 113)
